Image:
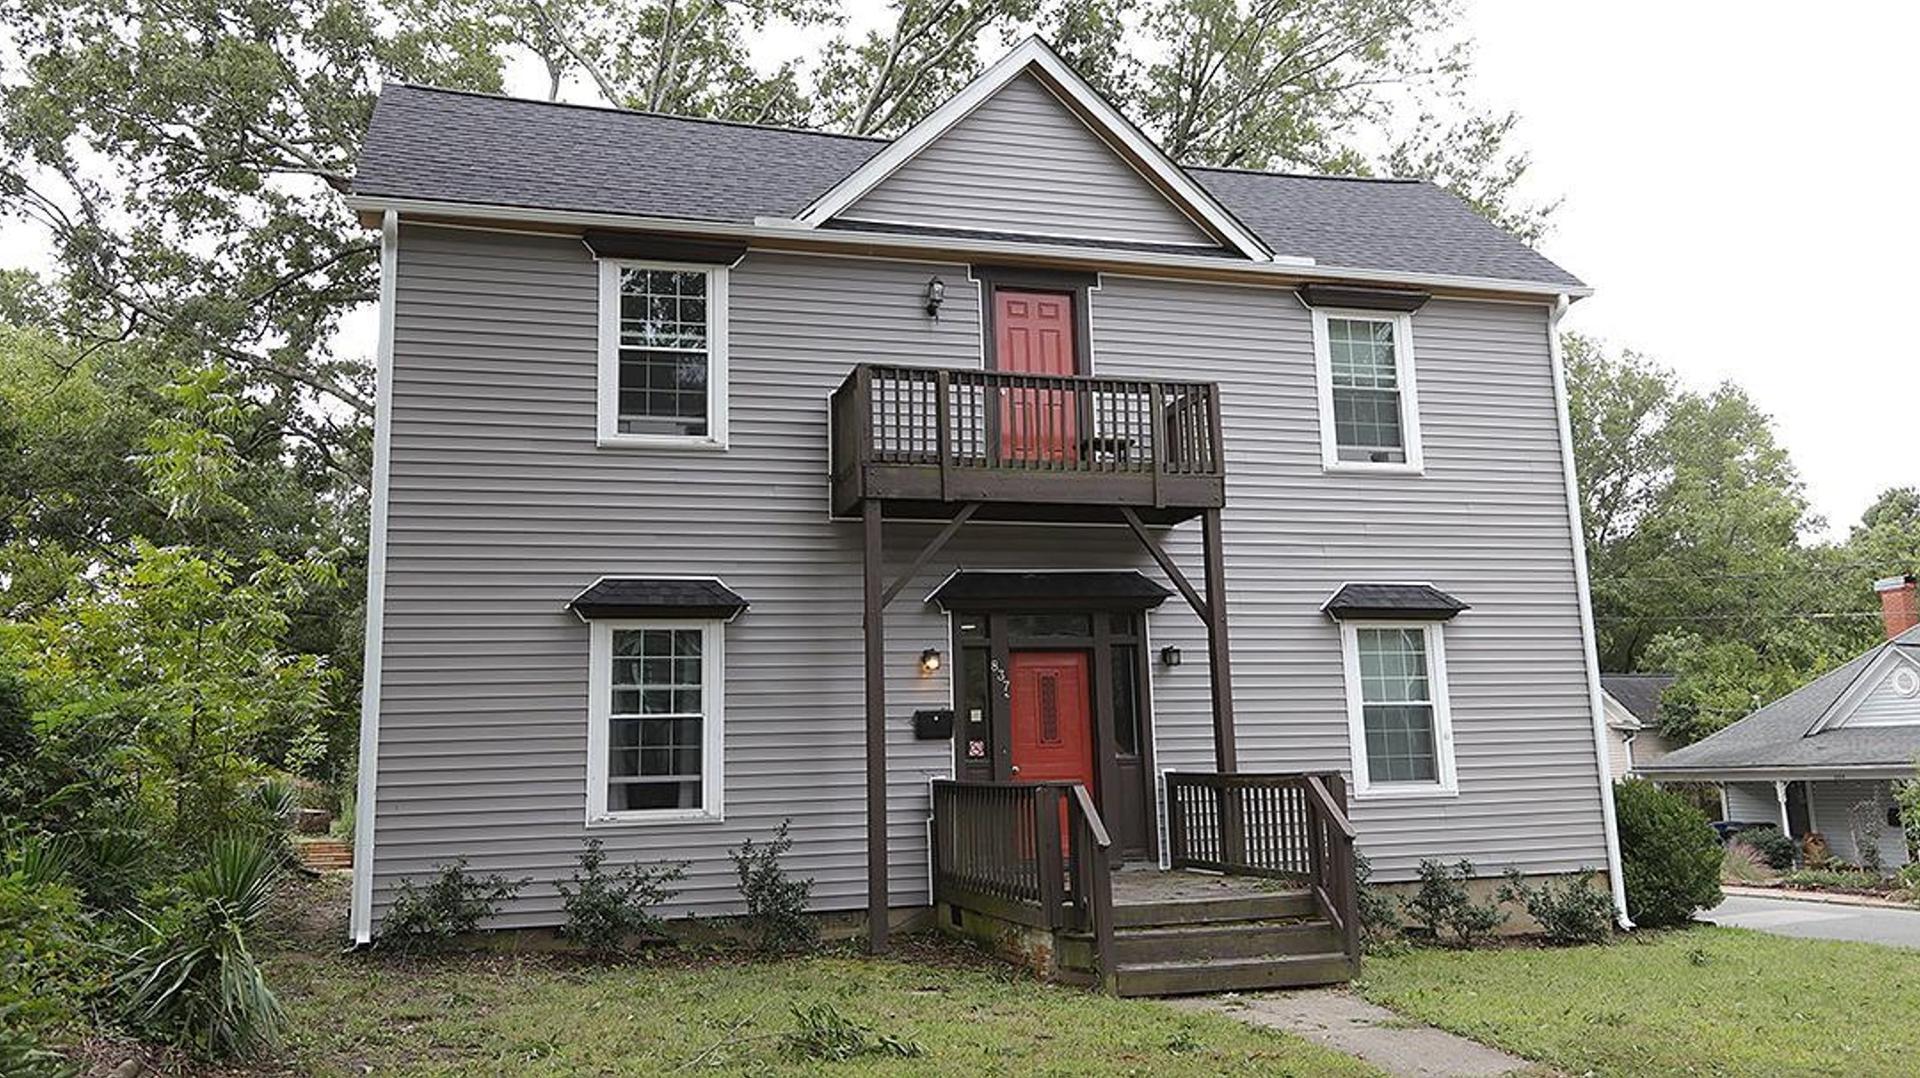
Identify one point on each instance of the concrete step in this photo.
(1182, 978)
(1267, 906)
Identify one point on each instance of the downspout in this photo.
(1589, 647)
(366, 783)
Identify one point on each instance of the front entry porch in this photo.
(1259, 891)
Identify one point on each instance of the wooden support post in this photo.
(873, 620)
(1220, 670)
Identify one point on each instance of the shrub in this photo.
(776, 905)
(821, 1032)
(1670, 858)
(1741, 863)
(1774, 848)
(1442, 905)
(47, 968)
(453, 904)
(1841, 879)
(196, 982)
(605, 910)
(1571, 911)
(1379, 911)
(21, 1055)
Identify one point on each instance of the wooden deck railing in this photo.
(1034, 853)
(1287, 826)
(927, 433)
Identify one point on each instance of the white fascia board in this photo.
(880, 244)
(1108, 122)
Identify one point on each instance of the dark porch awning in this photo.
(657, 597)
(1114, 589)
(1361, 601)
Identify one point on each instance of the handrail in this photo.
(1100, 837)
(998, 847)
(1291, 826)
(1336, 815)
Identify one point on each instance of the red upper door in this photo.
(1052, 717)
(1033, 334)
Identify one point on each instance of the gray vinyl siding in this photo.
(1882, 706)
(1753, 802)
(502, 508)
(1833, 803)
(1021, 162)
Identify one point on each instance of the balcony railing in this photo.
(920, 438)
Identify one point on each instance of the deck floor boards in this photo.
(1144, 885)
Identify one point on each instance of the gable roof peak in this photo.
(1034, 56)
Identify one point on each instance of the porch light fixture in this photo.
(1169, 656)
(936, 295)
(930, 661)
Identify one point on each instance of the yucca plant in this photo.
(197, 983)
(42, 859)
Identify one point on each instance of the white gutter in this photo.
(1588, 645)
(767, 229)
(365, 781)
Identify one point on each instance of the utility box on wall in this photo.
(933, 725)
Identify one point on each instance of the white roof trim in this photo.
(1108, 123)
(1862, 686)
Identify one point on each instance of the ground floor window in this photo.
(1400, 729)
(655, 712)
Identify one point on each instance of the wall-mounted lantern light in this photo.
(1169, 656)
(930, 661)
(936, 295)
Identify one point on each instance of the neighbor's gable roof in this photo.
(430, 146)
(1778, 735)
(1639, 694)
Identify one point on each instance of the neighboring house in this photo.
(1823, 757)
(1633, 720)
(728, 475)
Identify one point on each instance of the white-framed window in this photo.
(1369, 410)
(655, 712)
(663, 354)
(1399, 726)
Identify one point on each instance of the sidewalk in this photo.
(1338, 1019)
(1814, 896)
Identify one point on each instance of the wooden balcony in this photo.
(925, 441)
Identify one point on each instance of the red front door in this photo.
(1052, 720)
(1033, 334)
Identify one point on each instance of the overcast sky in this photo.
(1728, 174)
(1740, 189)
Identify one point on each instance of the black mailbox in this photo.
(933, 725)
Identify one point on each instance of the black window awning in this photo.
(1361, 601)
(704, 598)
(1094, 589)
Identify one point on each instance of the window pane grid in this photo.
(1364, 366)
(664, 358)
(1397, 707)
(656, 731)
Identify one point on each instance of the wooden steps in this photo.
(324, 855)
(1234, 943)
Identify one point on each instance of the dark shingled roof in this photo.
(657, 597)
(452, 146)
(1117, 587)
(1638, 693)
(1776, 735)
(1360, 601)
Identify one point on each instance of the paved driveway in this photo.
(1819, 920)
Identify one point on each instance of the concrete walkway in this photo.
(1812, 919)
(1346, 1023)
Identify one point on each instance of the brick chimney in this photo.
(1897, 606)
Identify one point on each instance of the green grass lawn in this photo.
(548, 1015)
(1714, 1001)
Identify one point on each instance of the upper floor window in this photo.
(655, 708)
(663, 354)
(1399, 722)
(1369, 414)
